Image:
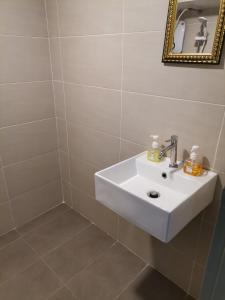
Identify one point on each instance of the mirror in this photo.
(195, 31)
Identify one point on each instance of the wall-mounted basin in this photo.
(154, 197)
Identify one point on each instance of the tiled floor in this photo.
(62, 256)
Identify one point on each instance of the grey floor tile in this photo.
(63, 294)
(74, 255)
(107, 276)
(152, 285)
(35, 283)
(8, 238)
(43, 219)
(52, 234)
(14, 258)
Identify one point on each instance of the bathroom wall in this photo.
(112, 92)
(29, 173)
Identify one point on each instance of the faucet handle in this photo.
(168, 141)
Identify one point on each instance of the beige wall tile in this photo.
(186, 241)
(220, 157)
(6, 223)
(62, 134)
(3, 192)
(144, 72)
(25, 176)
(26, 102)
(24, 59)
(211, 212)
(28, 140)
(93, 60)
(24, 17)
(59, 99)
(82, 175)
(35, 202)
(136, 239)
(96, 108)
(90, 17)
(64, 166)
(204, 243)
(145, 15)
(172, 263)
(83, 203)
(105, 219)
(94, 146)
(129, 149)
(55, 59)
(169, 116)
(52, 15)
(197, 280)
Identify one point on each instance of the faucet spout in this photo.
(173, 148)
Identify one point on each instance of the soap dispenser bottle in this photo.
(153, 153)
(193, 166)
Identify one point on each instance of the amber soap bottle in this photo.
(193, 166)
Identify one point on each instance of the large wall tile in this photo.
(6, 223)
(28, 140)
(24, 17)
(25, 176)
(145, 15)
(78, 17)
(26, 102)
(168, 116)
(144, 72)
(82, 175)
(31, 204)
(93, 146)
(96, 108)
(93, 60)
(52, 15)
(24, 59)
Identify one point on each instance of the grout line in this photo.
(45, 223)
(54, 99)
(109, 34)
(90, 264)
(65, 241)
(169, 98)
(64, 98)
(29, 159)
(23, 36)
(27, 123)
(131, 282)
(218, 141)
(25, 82)
(35, 189)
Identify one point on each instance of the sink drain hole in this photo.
(153, 194)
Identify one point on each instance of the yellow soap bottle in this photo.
(193, 166)
(153, 153)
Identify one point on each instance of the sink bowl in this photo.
(154, 197)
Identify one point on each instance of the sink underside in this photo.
(125, 188)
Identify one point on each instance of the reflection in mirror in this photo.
(195, 28)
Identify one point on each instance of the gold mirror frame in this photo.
(196, 58)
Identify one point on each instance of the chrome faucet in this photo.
(173, 148)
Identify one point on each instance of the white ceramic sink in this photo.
(124, 188)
